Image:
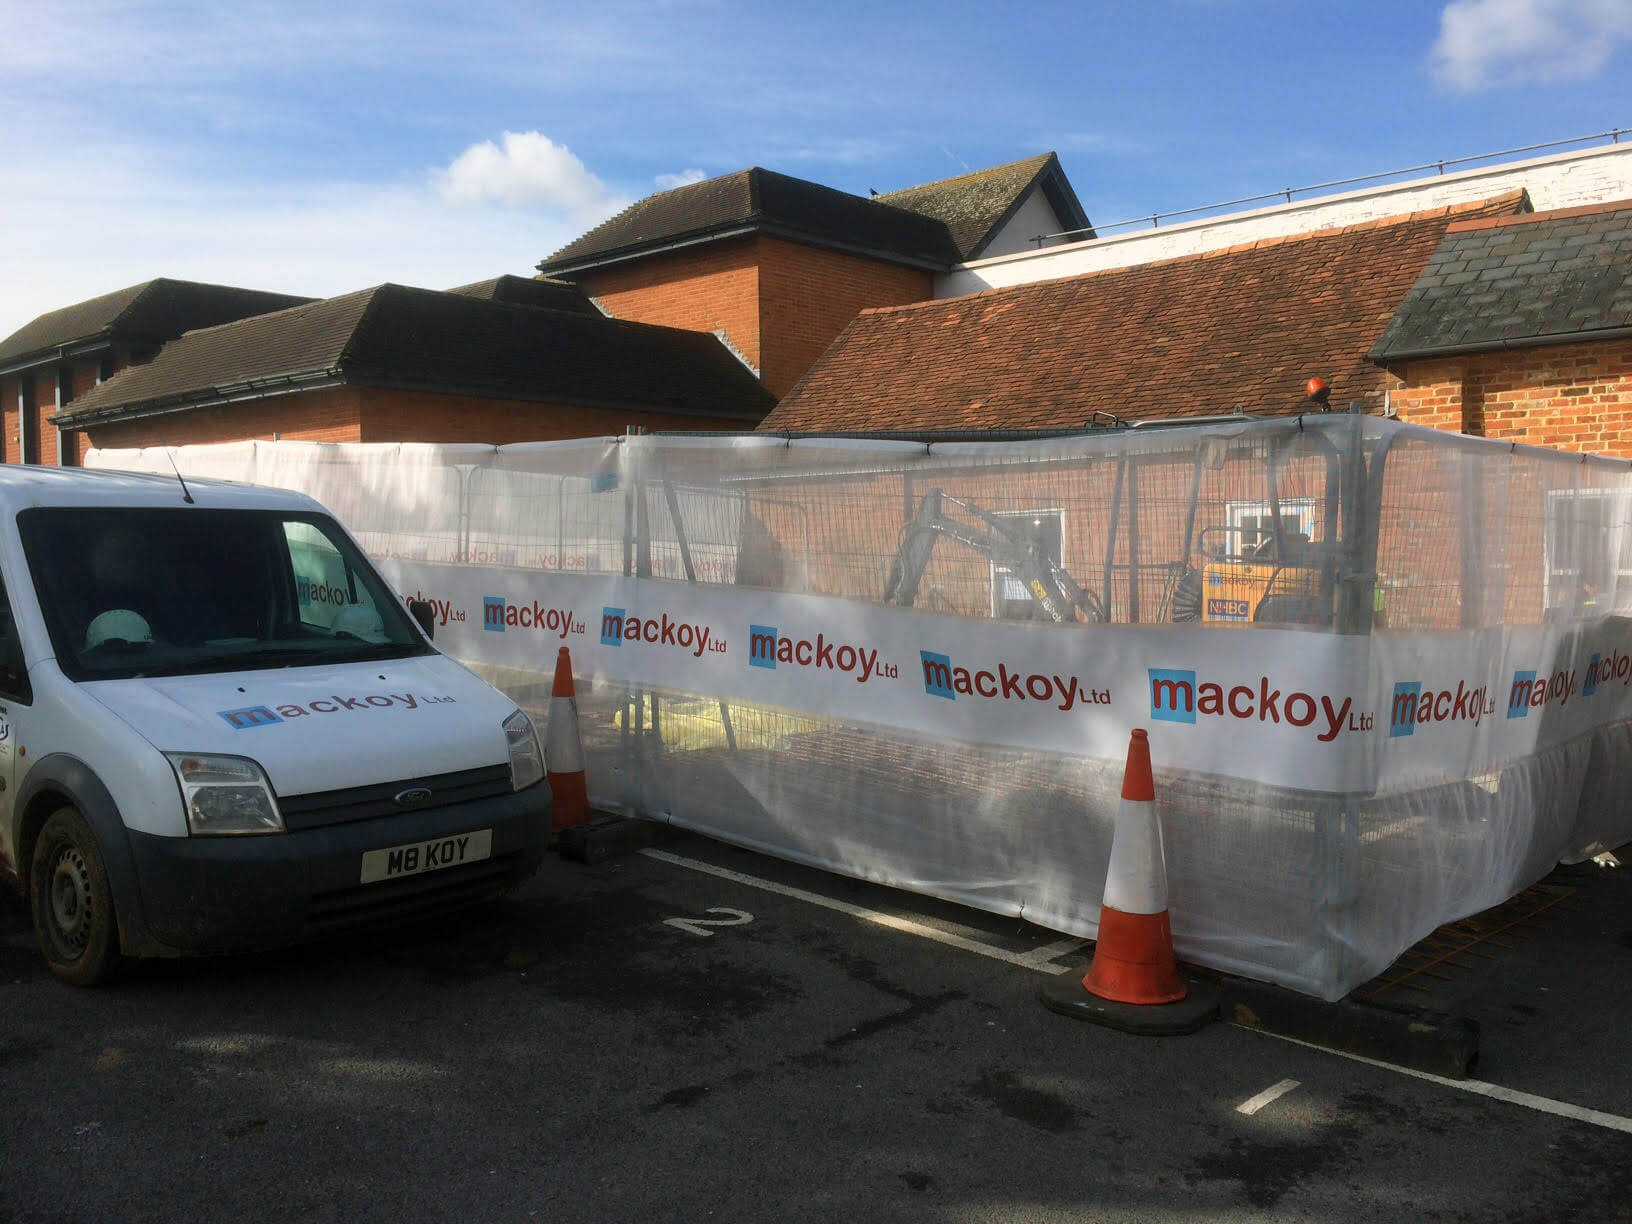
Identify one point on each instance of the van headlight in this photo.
(225, 795)
(526, 757)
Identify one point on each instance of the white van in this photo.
(220, 729)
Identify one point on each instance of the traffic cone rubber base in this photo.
(1067, 995)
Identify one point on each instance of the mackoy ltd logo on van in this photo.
(248, 718)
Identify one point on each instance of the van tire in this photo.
(71, 902)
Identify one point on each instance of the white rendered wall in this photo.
(1563, 180)
(1036, 216)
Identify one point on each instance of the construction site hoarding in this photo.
(1386, 671)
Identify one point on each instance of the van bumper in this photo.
(224, 894)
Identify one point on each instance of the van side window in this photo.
(13, 674)
(324, 584)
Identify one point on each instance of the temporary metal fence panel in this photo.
(1387, 671)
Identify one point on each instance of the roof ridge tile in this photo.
(1551, 214)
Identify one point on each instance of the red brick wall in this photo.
(1569, 396)
(84, 377)
(780, 303)
(402, 416)
(363, 414)
(313, 416)
(711, 287)
(44, 439)
(8, 419)
(807, 296)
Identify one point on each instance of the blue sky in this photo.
(322, 148)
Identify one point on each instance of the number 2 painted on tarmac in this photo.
(697, 926)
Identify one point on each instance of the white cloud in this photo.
(529, 170)
(1483, 43)
(684, 179)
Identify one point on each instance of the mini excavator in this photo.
(1269, 572)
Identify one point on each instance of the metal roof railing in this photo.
(1155, 219)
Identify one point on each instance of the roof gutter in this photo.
(1386, 359)
(55, 353)
(213, 397)
(286, 384)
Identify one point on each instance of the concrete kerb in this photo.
(609, 835)
(1429, 1041)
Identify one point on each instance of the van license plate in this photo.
(424, 856)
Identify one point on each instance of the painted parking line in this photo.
(1512, 1096)
(895, 922)
(1039, 958)
(1274, 1092)
(1029, 960)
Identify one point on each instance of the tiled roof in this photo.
(1542, 278)
(531, 291)
(420, 339)
(760, 201)
(1183, 337)
(149, 313)
(974, 206)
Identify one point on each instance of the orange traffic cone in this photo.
(564, 750)
(1133, 983)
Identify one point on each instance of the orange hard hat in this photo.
(1315, 388)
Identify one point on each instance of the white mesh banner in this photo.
(1387, 672)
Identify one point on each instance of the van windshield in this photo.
(166, 592)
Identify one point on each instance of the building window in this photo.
(1252, 525)
(1589, 552)
(1045, 528)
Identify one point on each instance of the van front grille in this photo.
(321, 808)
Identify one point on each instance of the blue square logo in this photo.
(1402, 711)
(1172, 695)
(611, 626)
(493, 613)
(937, 674)
(249, 718)
(1591, 686)
(1518, 700)
(762, 646)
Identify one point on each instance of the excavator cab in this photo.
(1263, 567)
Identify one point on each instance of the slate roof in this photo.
(421, 339)
(1184, 337)
(149, 313)
(975, 206)
(1543, 278)
(761, 201)
(531, 291)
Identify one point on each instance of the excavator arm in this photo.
(995, 538)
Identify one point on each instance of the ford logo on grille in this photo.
(413, 796)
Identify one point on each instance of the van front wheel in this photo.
(72, 903)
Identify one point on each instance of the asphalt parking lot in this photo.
(697, 1032)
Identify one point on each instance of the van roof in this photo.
(26, 485)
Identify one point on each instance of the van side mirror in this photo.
(422, 612)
